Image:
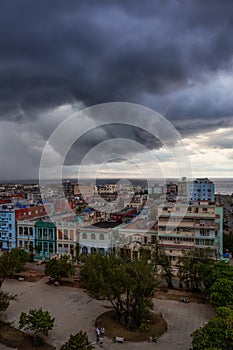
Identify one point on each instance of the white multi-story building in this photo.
(183, 227)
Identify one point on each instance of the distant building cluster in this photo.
(175, 216)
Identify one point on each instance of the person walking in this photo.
(97, 334)
(101, 340)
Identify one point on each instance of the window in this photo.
(92, 236)
(59, 234)
(40, 233)
(45, 247)
(50, 247)
(30, 246)
(65, 234)
(30, 231)
(39, 247)
(45, 233)
(71, 235)
(101, 237)
(84, 236)
(50, 234)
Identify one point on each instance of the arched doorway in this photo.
(102, 251)
(84, 250)
(93, 250)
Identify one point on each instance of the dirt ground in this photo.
(19, 340)
(112, 328)
(74, 310)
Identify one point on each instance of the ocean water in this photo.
(222, 185)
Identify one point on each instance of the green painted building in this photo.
(45, 240)
(219, 237)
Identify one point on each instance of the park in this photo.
(74, 310)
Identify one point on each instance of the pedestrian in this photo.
(101, 340)
(102, 331)
(97, 334)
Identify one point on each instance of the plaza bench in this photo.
(119, 340)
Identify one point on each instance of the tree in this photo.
(217, 333)
(5, 299)
(219, 270)
(59, 269)
(221, 292)
(21, 256)
(38, 321)
(128, 285)
(162, 260)
(192, 267)
(12, 262)
(78, 341)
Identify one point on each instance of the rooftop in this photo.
(106, 224)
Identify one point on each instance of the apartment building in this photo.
(201, 189)
(98, 237)
(183, 227)
(85, 191)
(107, 188)
(26, 235)
(45, 240)
(134, 236)
(7, 227)
(67, 237)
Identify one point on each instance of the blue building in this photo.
(7, 227)
(26, 235)
(201, 189)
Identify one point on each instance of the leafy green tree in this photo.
(12, 262)
(163, 261)
(78, 341)
(192, 266)
(59, 268)
(21, 256)
(128, 285)
(218, 270)
(162, 264)
(221, 292)
(217, 333)
(5, 299)
(38, 321)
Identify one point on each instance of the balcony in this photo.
(208, 226)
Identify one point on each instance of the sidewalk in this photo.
(74, 310)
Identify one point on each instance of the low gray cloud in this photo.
(173, 56)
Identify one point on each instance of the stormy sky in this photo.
(58, 57)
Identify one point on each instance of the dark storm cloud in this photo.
(109, 132)
(173, 56)
(55, 52)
